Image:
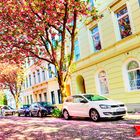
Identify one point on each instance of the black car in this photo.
(41, 109)
(24, 110)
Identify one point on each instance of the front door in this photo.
(79, 108)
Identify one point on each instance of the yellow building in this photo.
(108, 56)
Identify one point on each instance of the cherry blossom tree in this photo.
(12, 78)
(40, 29)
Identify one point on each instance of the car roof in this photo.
(83, 94)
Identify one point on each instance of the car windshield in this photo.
(95, 97)
(45, 104)
(6, 108)
(26, 106)
(10, 107)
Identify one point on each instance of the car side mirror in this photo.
(83, 101)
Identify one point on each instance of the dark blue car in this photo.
(41, 109)
(24, 110)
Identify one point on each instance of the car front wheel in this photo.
(94, 115)
(31, 115)
(66, 115)
(3, 114)
(40, 114)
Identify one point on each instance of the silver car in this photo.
(7, 110)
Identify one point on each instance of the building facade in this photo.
(108, 57)
(40, 84)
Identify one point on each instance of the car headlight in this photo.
(105, 106)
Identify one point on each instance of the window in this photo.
(78, 99)
(60, 37)
(124, 22)
(91, 2)
(45, 97)
(77, 51)
(133, 69)
(43, 75)
(28, 100)
(50, 71)
(54, 43)
(38, 73)
(103, 83)
(53, 97)
(59, 96)
(96, 39)
(31, 98)
(26, 82)
(34, 78)
(56, 72)
(40, 97)
(36, 97)
(95, 97)
(30, 80)
(139, 2)
(69, 99)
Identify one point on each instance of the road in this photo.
(48, 128)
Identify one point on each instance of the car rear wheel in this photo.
(94, 115)
(66, 115)
(25, 114)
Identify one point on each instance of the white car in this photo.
(93, 106)
(7, 110)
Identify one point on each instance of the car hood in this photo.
(106, 102)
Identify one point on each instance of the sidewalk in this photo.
(133, 116)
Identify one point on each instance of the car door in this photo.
(79, 106)
(35, 109)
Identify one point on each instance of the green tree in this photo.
(3, 98)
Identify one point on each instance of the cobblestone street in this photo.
(26, 128)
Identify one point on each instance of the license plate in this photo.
(120, 109)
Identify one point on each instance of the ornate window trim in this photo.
(126, 80)
(98, 82)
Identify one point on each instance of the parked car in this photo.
(24, 110)
(41, 109)
(93, 106)
(7, 110)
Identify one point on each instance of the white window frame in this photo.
(116, 24)
(98, 82)
(91, 33)
(79, 50)
(125, 75)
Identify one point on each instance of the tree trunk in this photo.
(17, 101)
(63, 91)
(62, 86)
